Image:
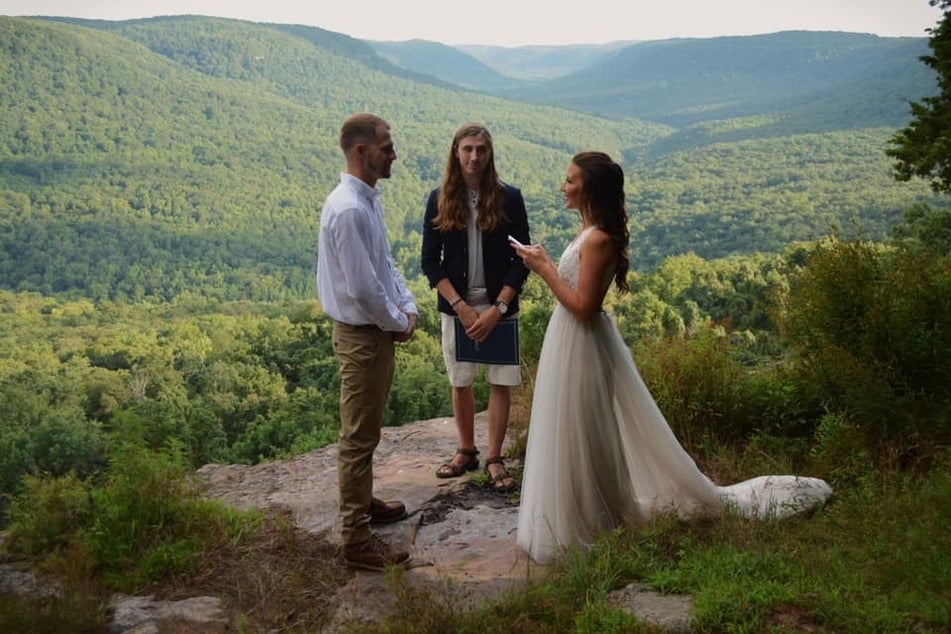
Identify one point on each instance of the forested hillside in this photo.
(492, 68)
(540, 61)
(445, 63)
(838, 80)
(200, 166)
(803, 81)
(190, 155)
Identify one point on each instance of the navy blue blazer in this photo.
(445, 254)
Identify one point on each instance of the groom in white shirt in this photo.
(361, 290)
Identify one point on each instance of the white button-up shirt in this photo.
(357, 282)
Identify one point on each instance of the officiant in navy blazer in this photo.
(467, 258)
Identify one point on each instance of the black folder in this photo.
(501, 347)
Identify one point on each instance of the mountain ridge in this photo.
(683, 81)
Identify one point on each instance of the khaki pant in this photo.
(367, 362)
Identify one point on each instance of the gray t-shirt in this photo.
(477, 294)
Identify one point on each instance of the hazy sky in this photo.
(521, 22)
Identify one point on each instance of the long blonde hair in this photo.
(452, 204)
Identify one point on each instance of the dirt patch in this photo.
(466, 496)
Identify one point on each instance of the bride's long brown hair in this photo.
(602, 199)
(452, 204)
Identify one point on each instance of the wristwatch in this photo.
(502, 306)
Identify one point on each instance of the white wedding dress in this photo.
(600, 452)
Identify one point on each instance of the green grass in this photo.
(142, 527)
(876, 559)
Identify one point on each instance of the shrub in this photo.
(39, 438)
(48, 514)
(143, 520)
(65, 441)
(700, 387)
(840, 448)
(870, 333)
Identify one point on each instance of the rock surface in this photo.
(141, 615)
(455, 531)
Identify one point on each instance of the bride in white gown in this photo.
(599, 451)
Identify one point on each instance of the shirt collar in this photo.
(359, 185)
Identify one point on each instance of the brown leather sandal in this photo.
(451, 470)
(498, 480)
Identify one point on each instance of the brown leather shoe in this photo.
(386, 512)
(374, 554)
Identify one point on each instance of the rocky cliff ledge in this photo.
(455, 531)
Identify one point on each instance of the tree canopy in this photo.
(923, 148)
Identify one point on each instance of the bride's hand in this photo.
(534, 256)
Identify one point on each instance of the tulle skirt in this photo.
(600, 452)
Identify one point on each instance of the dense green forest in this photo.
(173, 156)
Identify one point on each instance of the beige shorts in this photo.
(463, 373)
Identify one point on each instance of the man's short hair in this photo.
(360, 128)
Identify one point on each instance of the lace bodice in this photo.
(569, 266)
